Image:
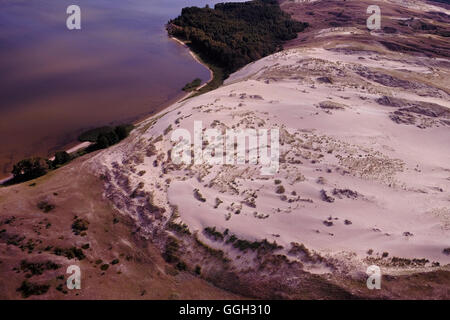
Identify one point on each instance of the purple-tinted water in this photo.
(56, 83)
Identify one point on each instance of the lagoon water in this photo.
(56, 83)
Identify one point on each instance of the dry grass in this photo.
(136, 269)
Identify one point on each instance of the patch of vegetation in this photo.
(198, 270)
(213, 233)
(232, 238)
(328, 223)
(181, 228)
(345, 193)
(79, 226)
(403, 262)
(115, 261)
(234, 34)
(112, 134)
(325, 197)
(263, 245)
(141, 173)
(304, 253)
(171, 250)
(167, 130)
(192, 85)
(29, 245)
(199, 196)
(29, 169)
(154, 208)
(181, 266)
(218, 203)
(32, 289)
(61, 157)
(69, 253)
(213, 252)
(37, 268)
(35, 167)
(60, 288)
(104, 267)
(14, 239)
(280, 189)
(45, 206)
(250, 201)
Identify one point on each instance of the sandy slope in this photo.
(399, 171)
(364, 163)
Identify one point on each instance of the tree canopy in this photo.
(235, 34)
(28, 169)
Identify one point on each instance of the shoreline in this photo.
(198, 59)
(76, 146)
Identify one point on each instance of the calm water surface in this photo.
(56, 83)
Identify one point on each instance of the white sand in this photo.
(400, 172)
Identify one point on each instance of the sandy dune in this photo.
(364, 165)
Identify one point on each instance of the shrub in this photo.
(32, 168)
(328, 223)
(29, 289)
(104, 137)
(199, 196)
(45, 206)
(37, 268)
(218, 202)
(61, 157)
(170, 253)
(192, 85)
(179, 227)
(79, 225)
(181, 266)
(325, 197)
(70, 253)
(104, 267)
(198, 269)
(243, 245)
(280, 189)
(212, 232)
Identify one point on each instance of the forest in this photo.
(234, 34)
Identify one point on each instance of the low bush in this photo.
(30, 289)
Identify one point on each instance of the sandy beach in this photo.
(197, 58)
